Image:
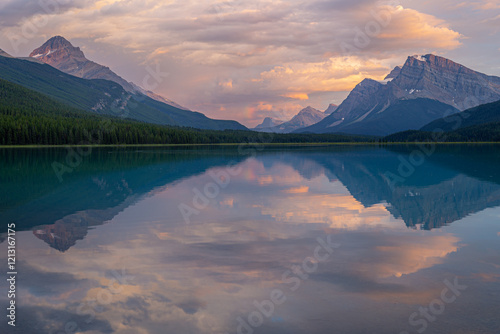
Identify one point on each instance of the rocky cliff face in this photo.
(61, 54)
(443, 80)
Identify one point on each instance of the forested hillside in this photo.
(30, 118)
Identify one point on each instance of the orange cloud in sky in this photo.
(297, 190)
(297, 96)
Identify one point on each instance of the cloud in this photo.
(270, 51)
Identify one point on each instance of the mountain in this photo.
(268, 122)
(415, 113)
(394, 73)
(482, 133)
(102, 96)
(426, 82)
(479, 124)
(486, 113)
(331, 108)
(61, 54)
(304, 118)
(5, 54)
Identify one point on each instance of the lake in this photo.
(224, 240)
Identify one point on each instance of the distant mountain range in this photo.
(426, 88)
(99, 91)
(306, 117)
(422, 91)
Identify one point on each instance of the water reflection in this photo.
(119, 215)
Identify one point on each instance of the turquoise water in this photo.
(276, 240)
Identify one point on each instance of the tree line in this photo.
(30, 118)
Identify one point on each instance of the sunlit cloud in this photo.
(226, 57)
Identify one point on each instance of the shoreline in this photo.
(253, 144)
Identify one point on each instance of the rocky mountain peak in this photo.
(55, 50)
(441, 79)
(394, 73)
(269, 122)
(433, 61)
(430, 85)
(308, 110)
(366, 83)
(58, 52)
(306, 117)
(57, 42)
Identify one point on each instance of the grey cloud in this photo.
(48, 320)
(15, 11)
(43, 283)
(339, 5)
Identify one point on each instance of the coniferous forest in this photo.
(31, 118)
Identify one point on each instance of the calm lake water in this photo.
(282, 240)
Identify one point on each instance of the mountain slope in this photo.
(421, 78)
(16, 99)
(102, 96)
(479, 124)
(5, 54)
(61, 54)
(88, 95)
(482, 114)
(403, 114)
(481, 133)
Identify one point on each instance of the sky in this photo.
(250, 59)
